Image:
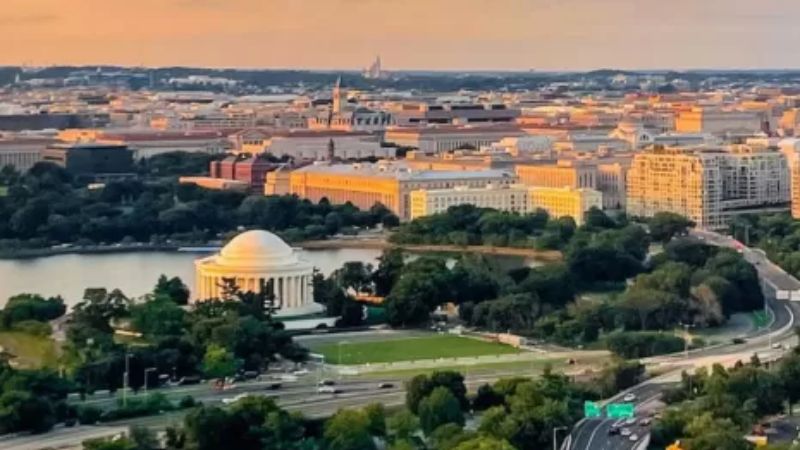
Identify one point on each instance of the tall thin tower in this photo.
(337, 96)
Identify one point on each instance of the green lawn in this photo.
(432, 347)
(3, 191)
(30, 351)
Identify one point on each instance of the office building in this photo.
(251, 170)
(564, 173)
(708, 186)
(388, 183)
(22, 152)
(511, 198)
(565, 201)
(718, 121)
(91, 159)
(791, 150)
(444, 139)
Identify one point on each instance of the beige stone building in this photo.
(511, 198)
(791, 150)
(385, 182)
(718, 121)
(607, 176)
(565, 201)
(709, 186)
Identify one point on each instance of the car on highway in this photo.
(633, 437)
(630, 421)
(738, 340)
(613, 431)
(777, 346)
(328, 390)
(231, 400)
(645, 422)
(385, 386)
(300, 372)
(626, 432)
(630, 397)
(326, 382)
(273, 386)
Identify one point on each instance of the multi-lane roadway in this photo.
(768, 343)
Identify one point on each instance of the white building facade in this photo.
(255, 259)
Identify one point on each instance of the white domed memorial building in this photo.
(253, 259)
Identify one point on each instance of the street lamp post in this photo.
(125, 379)
(146, 371)
(686, 336)
(339, 346)
(555, 436)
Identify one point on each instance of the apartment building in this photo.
(388, 183)
(791, 151)
(709, 186)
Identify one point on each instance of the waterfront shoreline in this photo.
(326, 244)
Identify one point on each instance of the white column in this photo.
(302, 294)
(284, 291)
(298, 298)
(299, 284)
(291, 294)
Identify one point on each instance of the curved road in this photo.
(592, 434)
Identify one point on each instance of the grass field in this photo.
(30, 351)
(410, 349)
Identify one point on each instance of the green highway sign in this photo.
(620, 410)
(591, 409)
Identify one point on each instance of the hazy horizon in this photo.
(414, 35)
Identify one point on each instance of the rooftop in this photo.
(401, 171)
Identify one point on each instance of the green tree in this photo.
(390, 265)
(666, 225)
(402, 425)
(218, 362)
(789, 373)
(158, 317)
(173, 288)
(349, 430)
(484, 443)
(439, 408)
(376, 416)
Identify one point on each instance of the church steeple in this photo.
(337, 96)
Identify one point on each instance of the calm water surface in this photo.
(136, 273)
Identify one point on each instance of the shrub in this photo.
(33, 327)
(89, 415)
(187, 402)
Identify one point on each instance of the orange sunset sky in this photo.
(408, 34)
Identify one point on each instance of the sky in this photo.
(408, 34)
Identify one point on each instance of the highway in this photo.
(593, 434)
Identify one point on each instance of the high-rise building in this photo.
(791, 150)
(708, 186)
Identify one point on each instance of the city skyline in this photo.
(412, 35)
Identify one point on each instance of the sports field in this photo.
(408, 349)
